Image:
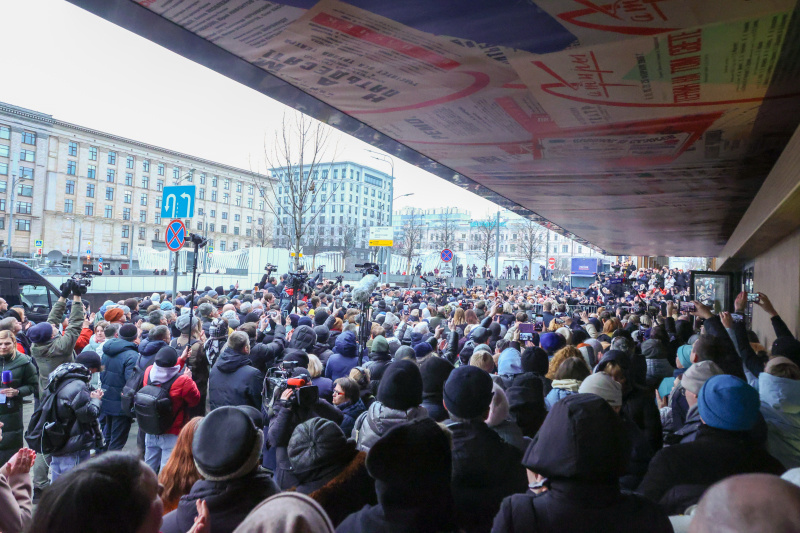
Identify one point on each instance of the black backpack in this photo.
(46, 433)
(153, 407)
(130, 389)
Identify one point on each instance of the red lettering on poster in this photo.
(636, 13)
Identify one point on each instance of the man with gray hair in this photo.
(233, 381)
(207, 313)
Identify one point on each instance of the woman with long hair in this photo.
(459, 321)
(180, 473)
(560, 356)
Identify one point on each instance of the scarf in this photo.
(217, 338)
(160, 374)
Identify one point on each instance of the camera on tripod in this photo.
(365, 269)
(270, 268)
(78, 283)
(198, 240)
(281, 378)
(296, 280)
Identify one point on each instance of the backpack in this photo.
(46, 433)
(174, 344)
(153, 407)
(131, 387)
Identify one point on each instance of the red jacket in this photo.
(83, 339)
(184, 393)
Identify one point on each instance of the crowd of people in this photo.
(276, 408)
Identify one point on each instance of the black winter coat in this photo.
(266, 355)
(147, 351)
(25, 379)
(577, 507)
(679, 474)
(485, 470)
(434, 403)
(234, 381)
(229, 502)
(281, 426)
(639, 406)
(76, 409)
(322, 351)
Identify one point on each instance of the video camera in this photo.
(270, 268)
(365, 269)
(296, 280)
(198, 240)
(281, 378)
(77, 284)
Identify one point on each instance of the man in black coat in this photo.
(575, 463)
(269, 350)
(678, 475)
(233, 380)
(485, 468)
(226, 447)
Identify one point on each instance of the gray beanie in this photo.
(604, 386)
(697, 374)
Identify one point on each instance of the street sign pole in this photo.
(175, 278)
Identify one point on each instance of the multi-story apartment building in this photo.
(348, 197)
(79, 189)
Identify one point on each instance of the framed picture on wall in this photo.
(714, 289)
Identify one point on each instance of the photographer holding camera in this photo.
(51, 348)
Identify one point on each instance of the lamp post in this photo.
(14, 180)
(386, 255)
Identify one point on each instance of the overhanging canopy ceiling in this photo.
(638, 126)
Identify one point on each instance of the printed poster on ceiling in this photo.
(599, 21)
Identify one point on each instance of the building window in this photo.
(126, 231)
(72, 167)
(238, 201)
(213, 196)
(201, 193)
(5, 132)
(199, 225)
(235, 245)
(26, 173)
(91, 172)
(27, 155)
(143, 199)
(109, 193)
(70, 187)
(89, 211)
(69, 206)
(213, 213)
(129, 179)
(3, 169)
(237, 217)
(142, 233)
(126, 213)
(202, 179)
(109, 212)
(129, 162)
(124, 248)
(90, 190)
(142, 216)
(222, 244)
(211, 227)
(159, 185)
(223, 228)
(236, 230)
(93, 154)
(158, 219)
(156, 235)
(249, 219)
(248, 232)
(239, 186)
(145, 165)
(224, 198)
(158, 203)
(564, 248)
(161, 169)
(226, 184)
(214, 181)
(176, 172)
(145, 182)
(112, 158)
(224, 216)
(2, 204)
(127, 197)
(110, 175)
(72, 149)
(28, 137)
(21, 224)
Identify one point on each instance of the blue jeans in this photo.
(61, 464)
(158, 449)
(115, 431)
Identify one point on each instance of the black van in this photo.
(21, 285)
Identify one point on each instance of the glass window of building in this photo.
(90, 190)
(28, 137)
(159, 185)
(27, 155)
(143, 199)
(93, 153)
(5, 132)
(21, 224)
(127, 197)
(161, 169)
(70, 189)
(145, 165)
(89, 210)
(72, 167)
(129, 179)
(129, 162)
(145, 182)
(72, 149)
(26, 173)
(109, 212)
(91, 172)
(112, 158)
(142, 216)
(109, 193)
(69, 206)
(123, 249)
(126, 213)
(110, 175)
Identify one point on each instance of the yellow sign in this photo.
(294, 254)
(381, 236)
(381, 243)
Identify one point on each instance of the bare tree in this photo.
(413, 232)
(264, 236)
(300, 157)
(446, 229)
(487, 237)
(313, 244)
(531, 237)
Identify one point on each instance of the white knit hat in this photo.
(604, 386)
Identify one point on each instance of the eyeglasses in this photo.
(337, 393)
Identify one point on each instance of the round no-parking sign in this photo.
(175, 235)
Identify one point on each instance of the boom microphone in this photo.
(364, 289)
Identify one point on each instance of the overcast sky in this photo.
(66, 62)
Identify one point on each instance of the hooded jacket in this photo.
(351, 411)
(376, 421)
(561, 389)
(147, 351)
(76, 409)
(234, 381)
(344, 358)
(119, 363)
(657, 360)
(59, 349)
(264, 355)
(23, 378)
(229, 502)
(780, 405)
(581, 450)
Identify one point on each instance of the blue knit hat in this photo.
(41, 332)
(552, 342)
(684, 353)
(727, 402)
(166, 306)
(421, 349)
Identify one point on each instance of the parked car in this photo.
(53, 271)
(20, 284)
